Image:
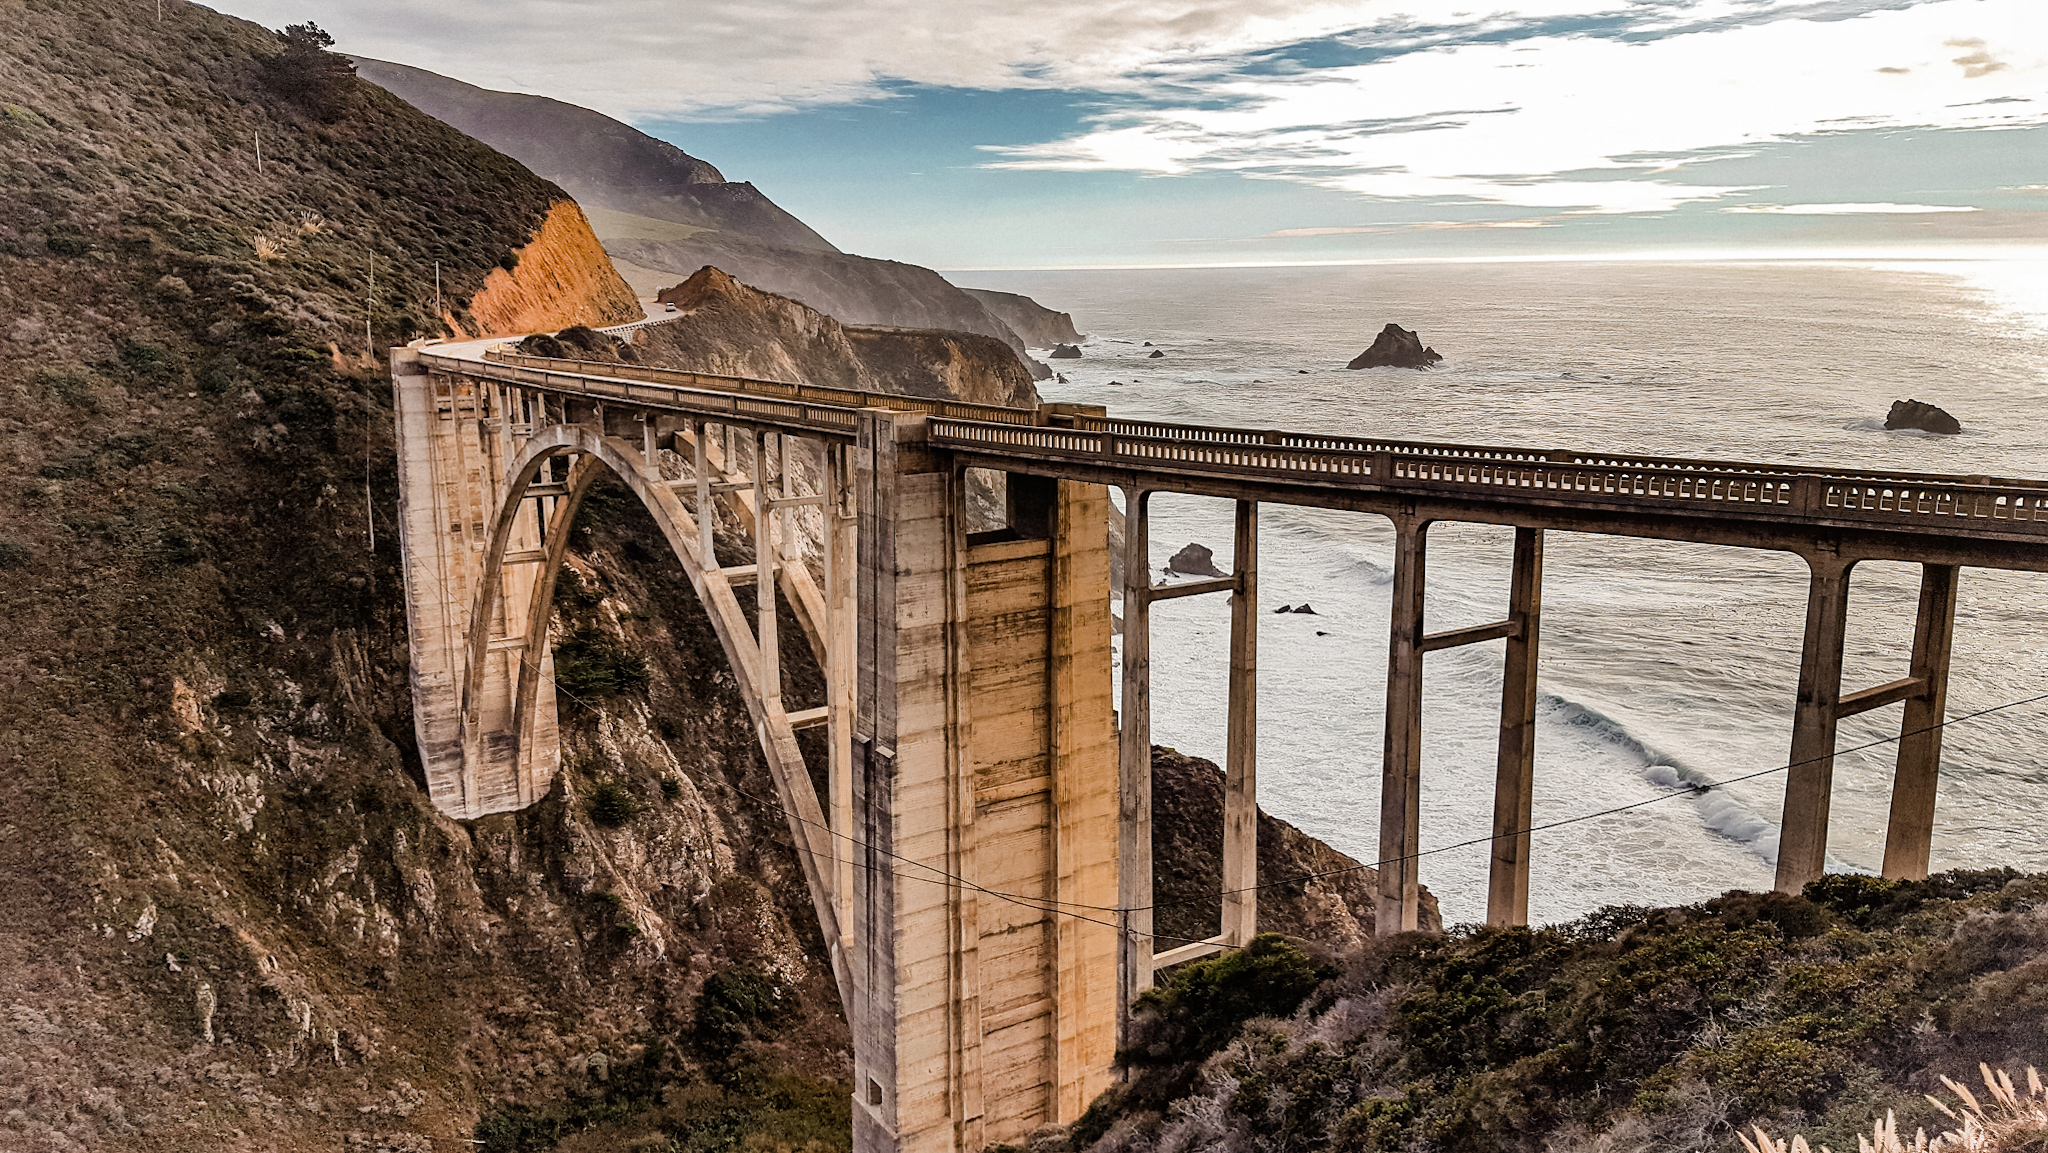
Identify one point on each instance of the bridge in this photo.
(980, 861)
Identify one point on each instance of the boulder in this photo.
(1395, 347)
(1303, 607)
(1923, 416)
(1156, 354)
(1064, 352)
(1195, 560)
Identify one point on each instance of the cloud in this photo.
(1601, 124)
(1851, 209)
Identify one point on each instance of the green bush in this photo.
(1200, 1007)
(591, 665)
(612, 804)
(733, 1004)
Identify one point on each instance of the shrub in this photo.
(1201, 1007)
(14, 554)
(305, 72)
(732, 1004)
(591, 665)
(612, 805)
(670, 787)
(66, 244)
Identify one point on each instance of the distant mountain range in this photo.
(663, 214)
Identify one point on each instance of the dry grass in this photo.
(2013, 1122)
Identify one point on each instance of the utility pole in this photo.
(437, 291)
(369, 306)
(259, 152)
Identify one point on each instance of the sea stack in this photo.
(1923, 416)
(1194, 560)
(1396, 347)
(1064, 352)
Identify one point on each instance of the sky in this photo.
(1079, 133)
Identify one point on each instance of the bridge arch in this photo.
(595, 454)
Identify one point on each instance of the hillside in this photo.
(232, 921)
(642, 183)
(600, 161)
(1629, 1029)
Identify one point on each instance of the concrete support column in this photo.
(1911, 831)
(1507, 886)
(842, 589)
(764, 578)
(1241, 774)
(1399, 908)
(707, 514)
(1809, 783)
(1134, 767)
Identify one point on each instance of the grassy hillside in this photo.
(1631, 1029)
(231, 920)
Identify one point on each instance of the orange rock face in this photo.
(563, 277)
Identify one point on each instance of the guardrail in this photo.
(1974, 505)
(811, 393)
(1915, 503)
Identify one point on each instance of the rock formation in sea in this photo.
(1396, 347)
(1194, 560)
(1923, 416)
(1064, 352)
(1156, 354)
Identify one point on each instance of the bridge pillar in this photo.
(1507, 886)
(1809, 782)
(1400, 897)
(1910, 833)
(985, 801)
(1134, 765)
(1240, 920)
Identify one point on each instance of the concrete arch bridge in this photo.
(970, 729)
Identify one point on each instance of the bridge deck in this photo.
(1975, 520)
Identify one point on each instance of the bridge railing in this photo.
(1898, 501)
(1914, 503)
(813, 394)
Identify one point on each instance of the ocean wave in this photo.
(1719, 812)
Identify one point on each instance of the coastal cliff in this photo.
(1039, 326)
(663, 214)
(734, 329)
(560, 277)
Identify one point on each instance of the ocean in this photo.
(1661, 664)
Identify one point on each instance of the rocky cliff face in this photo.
(1309, 890)
(642, 181)
(728, 327)
(560, 278)
(1039, 326)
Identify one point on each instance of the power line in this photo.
(1049, 906)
